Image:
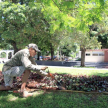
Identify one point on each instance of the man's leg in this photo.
(8, 83)
(24, 81)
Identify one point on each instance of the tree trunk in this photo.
(60, 55)
(38, 55)
(15, 47)
(83, 57)
(52, 52)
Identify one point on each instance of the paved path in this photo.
(73, 64)
(77, 68)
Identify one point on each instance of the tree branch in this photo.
(42, 5)
(100, 32)
(56, 5)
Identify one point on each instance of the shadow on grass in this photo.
(102, 74)
(43, 100)
(54, 100)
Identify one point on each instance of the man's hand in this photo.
(43, 68)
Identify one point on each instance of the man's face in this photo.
(32, 52)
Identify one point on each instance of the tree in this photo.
(75, 15)
(23, 24)
(65, 14)
(100, 30)
(20, 24)
(85, 42)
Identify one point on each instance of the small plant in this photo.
(67, 81)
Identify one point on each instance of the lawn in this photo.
(43, 99)
(79, 71)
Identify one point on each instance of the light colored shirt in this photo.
(23, 58)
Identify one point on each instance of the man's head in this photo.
(33, 48)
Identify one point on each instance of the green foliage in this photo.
(62, 14)
(100, 30)
(73, 55)
(3, 55)
(22, 24)
(74, 16)
(77, 13)
(45, 21)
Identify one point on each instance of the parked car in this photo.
(47, 58)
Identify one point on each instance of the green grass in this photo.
(42, 99)
(79, 71)
(54, 100)
(82, 67)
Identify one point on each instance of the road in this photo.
(73, 64)
(90, 64)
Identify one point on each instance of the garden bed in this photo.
(65, 82)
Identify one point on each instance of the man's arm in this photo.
(28, 65)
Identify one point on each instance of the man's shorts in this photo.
(13, 72)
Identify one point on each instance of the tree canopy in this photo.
(21, 24)
(64, 14)
(51, 23)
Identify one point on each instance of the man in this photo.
(22, 62)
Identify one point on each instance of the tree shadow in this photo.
(53, 100)
(42, 100)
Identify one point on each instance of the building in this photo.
(5, 55)
(100, 55)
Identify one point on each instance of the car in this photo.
(47, 58)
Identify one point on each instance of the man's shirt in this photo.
(23, 58)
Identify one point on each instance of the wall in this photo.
(94, 56)
(2, 60)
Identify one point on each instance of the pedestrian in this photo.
(22, 63)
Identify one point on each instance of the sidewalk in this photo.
(76, 67)
(73, 64)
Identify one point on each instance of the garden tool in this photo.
(59, 84)
(50, 74)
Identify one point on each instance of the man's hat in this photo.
(34, 46)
